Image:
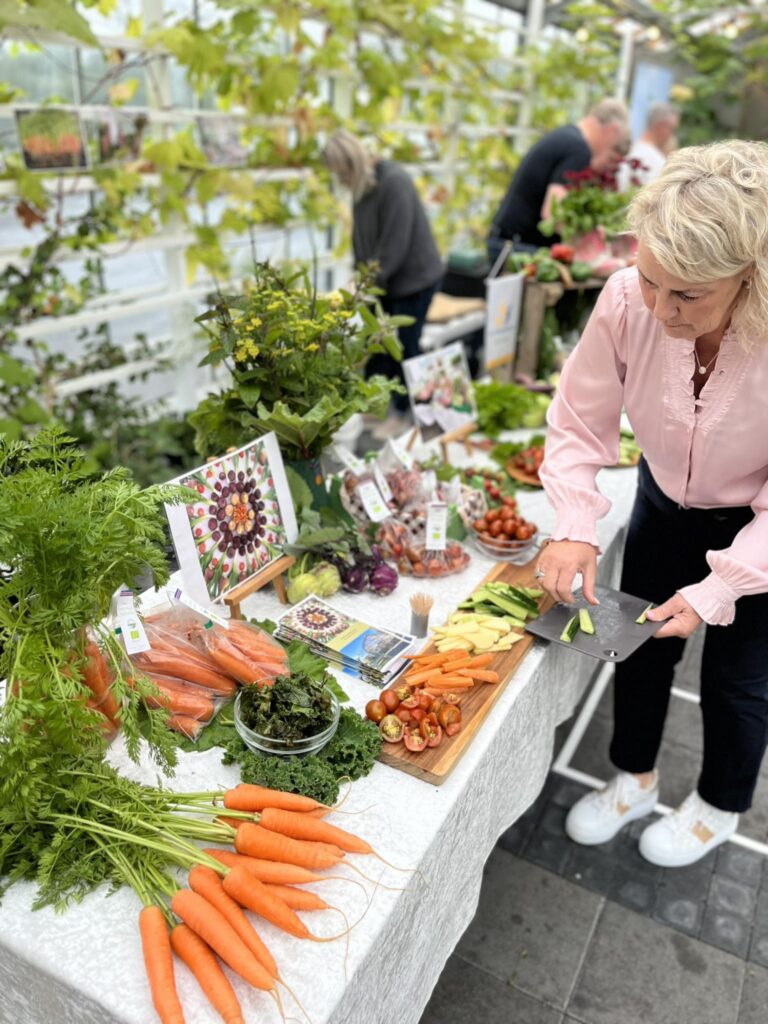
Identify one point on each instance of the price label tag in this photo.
(400, 454)
(3, 691)
(381, 483)
(373, 503)
(179, 595)
(129, 625)
(349, 460)
(437, 525)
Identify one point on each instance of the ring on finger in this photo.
(539, 573)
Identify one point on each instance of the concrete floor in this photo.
(597, 935)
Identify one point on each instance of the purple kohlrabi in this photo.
(384, 579)
(354, 578)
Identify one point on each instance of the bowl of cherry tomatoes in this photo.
(503, 533)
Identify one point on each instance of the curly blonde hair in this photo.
(706, 217)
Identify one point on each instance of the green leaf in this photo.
(301, 495)
(48, 15)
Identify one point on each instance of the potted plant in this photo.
(296, 360)
(590, 213)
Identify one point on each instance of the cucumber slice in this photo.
(571, 629)
(643, 615)
(585, 622)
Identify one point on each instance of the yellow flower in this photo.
(312, 347)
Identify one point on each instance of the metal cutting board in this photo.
(617, 635)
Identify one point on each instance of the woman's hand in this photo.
(561, 561)
(683, 620)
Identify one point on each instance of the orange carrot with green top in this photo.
(298, 899)
(206, 883)
(199, 958)
(257, 841)
(211, 925)
(158, 960)
(301, 826)
(251, 893)
(269, 871)
(247, 797)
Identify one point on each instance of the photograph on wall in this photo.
(220, 140)
(51, 139)
(116, 136)
(440, 390)
(243, 518)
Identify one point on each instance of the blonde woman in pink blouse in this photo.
(681, 343)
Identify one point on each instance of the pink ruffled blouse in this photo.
(705, 452)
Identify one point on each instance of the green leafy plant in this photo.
(296, 360)
(67, 542)
(591, 201)
(507, 407)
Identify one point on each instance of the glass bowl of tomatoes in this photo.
(502, 533)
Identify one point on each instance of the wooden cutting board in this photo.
(435, 763)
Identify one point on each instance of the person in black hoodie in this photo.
(390, 227)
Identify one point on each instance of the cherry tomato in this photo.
(410, 702)
(403, 691)
(448, 714)
(375, 710)
(436, 737)
(495, 493)
(390, 700)
(418, 714)
(509, 501)
(480, 525)
(496, 528)
(414, 741)
(453, 728)
(452, 698)
(492, 515)
(391, 729)
(425, 701)
(404, 715)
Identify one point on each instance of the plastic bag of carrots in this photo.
(197, 664)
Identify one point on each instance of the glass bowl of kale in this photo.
(297, 714)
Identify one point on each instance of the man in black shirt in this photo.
(598, 140)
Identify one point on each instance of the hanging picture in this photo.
(51, 139)
(440, 390)
(116, 136)
(239, 525)
(220, 141)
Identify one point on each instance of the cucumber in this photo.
(643, 615)
(571, 629)
(585, 622)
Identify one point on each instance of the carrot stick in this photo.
(251, 893)
(206, 883)
(423, 659)
(298, 899)
(481, 660)
(189, 727)
(211, 925)
(270, 871)
(247, 797)
(426, 673)
(300, 826)
(256, 841)
(457, 663)
(480, 674)
(158, 960)
(450, 682)
(198, 957)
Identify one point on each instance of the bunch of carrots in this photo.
(280, 842)
(454, 670)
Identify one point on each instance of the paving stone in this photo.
(565, 793)
(551, 852)
(726, 931)
(733, 898)
(515, 838)
(591, 756)
(530, 929)
(636, 972)
(758, 949)
(465, 993)
(692, 882)
(683, 914)
(590, 867)
(754, 996)
(740, 864)
(679, 770)
(635, 893)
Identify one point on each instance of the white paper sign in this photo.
(437, 525)
(504, 297)
(402, 456)
(130, 625)
(382, 484)
(179, 595)
(349, 460)
(373, 503)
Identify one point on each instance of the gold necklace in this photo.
(703, 369)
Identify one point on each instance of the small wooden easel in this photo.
(461, 434)
(273, 573)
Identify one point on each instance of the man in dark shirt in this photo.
(598, 140)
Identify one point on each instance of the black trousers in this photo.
(665, 550)
(417, 306)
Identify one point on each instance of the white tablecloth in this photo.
(85, 966)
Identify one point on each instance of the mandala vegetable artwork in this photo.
(239, 525)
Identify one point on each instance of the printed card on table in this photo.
(440, 390)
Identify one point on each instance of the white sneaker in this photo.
(599, 815)
(687, 834)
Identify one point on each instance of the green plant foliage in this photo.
(296, 359)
